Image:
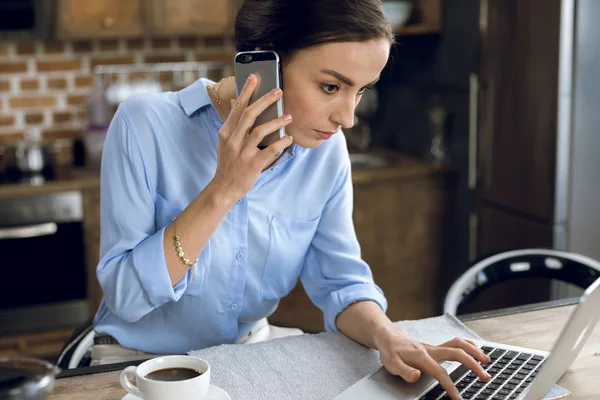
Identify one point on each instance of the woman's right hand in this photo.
(239, 160)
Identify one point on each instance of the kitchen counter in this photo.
(401, 219)
(66, 179)
(70, 178)
(400, 166)
(404, 218)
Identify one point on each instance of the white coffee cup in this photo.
(150, 389)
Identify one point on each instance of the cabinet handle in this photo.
(109, 22)
(31, 231)
(473, 226)
(473, 122)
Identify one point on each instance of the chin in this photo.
(307, 143)
(306, 140)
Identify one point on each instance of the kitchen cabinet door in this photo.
(500, 230)
(99, 19)
(518, 104)
(182, 17)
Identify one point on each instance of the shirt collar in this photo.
(195, 96)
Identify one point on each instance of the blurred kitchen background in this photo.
(480, 137)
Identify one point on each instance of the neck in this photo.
(226, 93)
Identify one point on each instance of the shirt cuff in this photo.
(340, 299)
(151, 267)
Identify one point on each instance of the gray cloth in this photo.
(317, 366)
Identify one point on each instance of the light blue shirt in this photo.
(296, 222)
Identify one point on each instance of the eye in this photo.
(330, 88)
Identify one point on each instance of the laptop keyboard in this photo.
(512, 372)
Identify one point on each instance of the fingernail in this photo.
(287, 117)
(276, 92)
(250, 78)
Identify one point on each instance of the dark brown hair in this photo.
(287, 26)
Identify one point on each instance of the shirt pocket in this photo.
(289, 241)
(165, 211)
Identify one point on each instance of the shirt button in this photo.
(239, 256)
(234, 306)
(240, 200)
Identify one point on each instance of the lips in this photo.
(324, 135)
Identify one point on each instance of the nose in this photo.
(343, 114)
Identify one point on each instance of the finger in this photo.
(453, 354)
(252, 112)
(242, 102)
(275, 149)
(259, 133)
(398, 367)
(430, 366)
(470, 347)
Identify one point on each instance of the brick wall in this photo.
(46, 84)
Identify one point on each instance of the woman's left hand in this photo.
(405, 357)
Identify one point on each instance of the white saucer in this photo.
(214, 393)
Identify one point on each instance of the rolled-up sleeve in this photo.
(132, 270)
(334, 275)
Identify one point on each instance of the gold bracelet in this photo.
(181, 254)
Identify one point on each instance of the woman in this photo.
(182, 177)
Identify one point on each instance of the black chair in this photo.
(562, 266)
(76, 351)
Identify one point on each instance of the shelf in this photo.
(417, 30)
(426, 19)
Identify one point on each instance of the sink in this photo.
(369, 161)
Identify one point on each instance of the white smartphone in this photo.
(266, 66)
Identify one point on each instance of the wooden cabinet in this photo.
(519, 94)
(401, 221)
(516, 137)
(517, 123)
(91, 227)
(500, 230)
(98, 19)
(182, 17)
(134, 18)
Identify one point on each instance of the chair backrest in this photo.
(75, 348)
(563, 266)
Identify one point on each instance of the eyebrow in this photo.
(345, 79)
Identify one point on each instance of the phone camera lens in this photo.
(247, 58)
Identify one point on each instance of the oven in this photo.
(43, 284)
(27, 19)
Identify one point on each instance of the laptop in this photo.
(517, 373)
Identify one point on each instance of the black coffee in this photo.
(173, 374)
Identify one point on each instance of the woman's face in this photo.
(323, 84)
